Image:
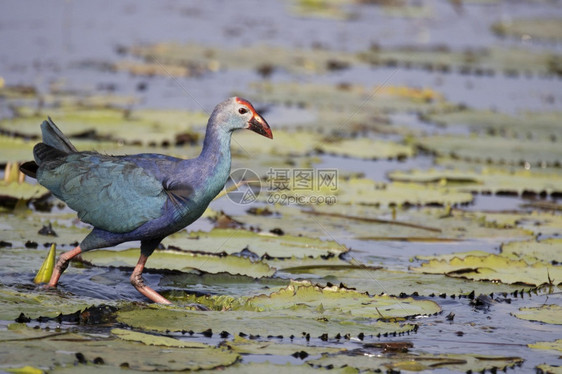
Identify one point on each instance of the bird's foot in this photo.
(138, 283)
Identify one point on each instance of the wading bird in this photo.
(142, 197)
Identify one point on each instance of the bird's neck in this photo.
(216, 155)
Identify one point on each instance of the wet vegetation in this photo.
(436, 246)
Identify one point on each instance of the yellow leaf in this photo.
(44, 273)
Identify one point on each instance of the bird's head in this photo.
(237, 113)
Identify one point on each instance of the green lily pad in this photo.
(25, 226)
(494, 149)
(182, 261)
(144, 125)
(530, 28)
(232, 241)
(247, 346)
(493, 268)
(351, 98)
(487, 180)
(536, 124)
(21, 191)
(38, 303)
(148, 339)
(371, 223)
(14, 149)
(555, 345)
(535, 222)
(266, 367)
(262, 58)
(418, 362)
(546, 251)
(276, 323)
(366, 148)
(395, 282)
(477, 61)
(549, 369)
(547, 313)
(336, 300)
(305, 142)
(33, 348)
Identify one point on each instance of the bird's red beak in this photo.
(259, 125)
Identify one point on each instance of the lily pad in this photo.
(248, 346)
(545, 125)
(262, 58)
(481, 61)
(341, 221)
(265, 367)
(276, 323)
(530, 28)
(394, 282)
(15, 191)
(548, 251)
(489, 149)
(555, 345)
(148, 339)
(56, 351)
(233, 241)
(418, 362)
(547, 313)
(486, 180)
(336, 300)
(144, 125)
(494, 268)
(306, 142)
(351, 98)
(182, 261)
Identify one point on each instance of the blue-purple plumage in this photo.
(142, 197)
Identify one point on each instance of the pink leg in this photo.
(138, 282)
(62, 264)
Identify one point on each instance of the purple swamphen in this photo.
(142, 197)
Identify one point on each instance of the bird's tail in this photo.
(55, 144)
(53, 137)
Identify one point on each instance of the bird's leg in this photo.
(62, 264)
(138, 283)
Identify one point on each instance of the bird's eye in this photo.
(242, 110)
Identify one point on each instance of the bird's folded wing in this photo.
(108, 192)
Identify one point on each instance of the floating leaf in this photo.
(543, 125)
(246, 346)
(481, 61)
(54, 351)
(546, 251)
(530, 28)
(148, 339)
(418, 362)
(555, 345)
(233, 241)
(547, 313)
(275, 323)
(494, 149)
(487, 180)
(264, 58)
(336, 300)
(144, 125)
(182, 261)
(493, 268)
